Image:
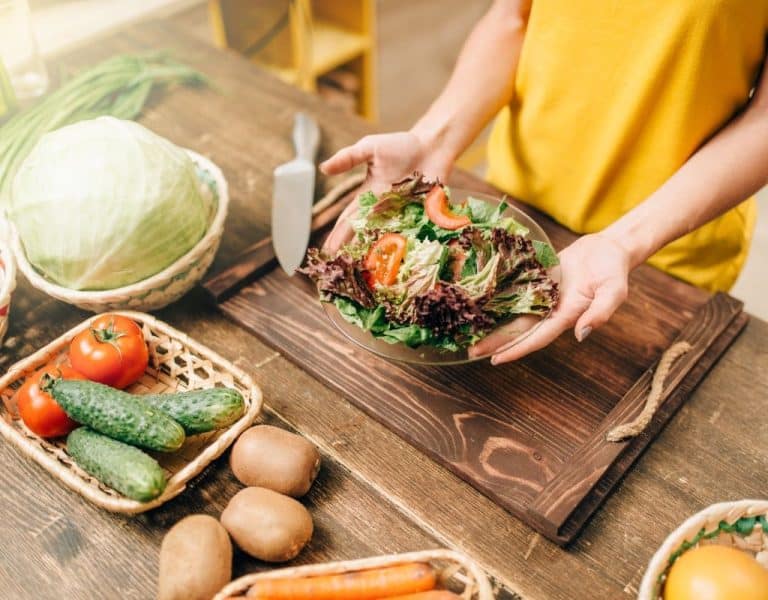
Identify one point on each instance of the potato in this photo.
(270, 457)
(267, 525)
(195, 559)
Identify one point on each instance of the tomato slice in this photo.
(384, 258)
(439, 211)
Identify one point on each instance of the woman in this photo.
(641, 124)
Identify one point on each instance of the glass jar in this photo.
(19, 52)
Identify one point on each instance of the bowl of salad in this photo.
(431, 270)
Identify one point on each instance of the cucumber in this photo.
(122, 416)
(120, 466)
(198, 411)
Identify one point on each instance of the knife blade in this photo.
(292, 196)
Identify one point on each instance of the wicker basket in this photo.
(7, 285)
(176, 363)
(742, 524)
(160, 289)
(459, 573)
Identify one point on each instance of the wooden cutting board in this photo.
(530, 435)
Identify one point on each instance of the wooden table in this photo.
(375, 494)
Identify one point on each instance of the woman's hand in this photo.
(390, 157)
(594, 278)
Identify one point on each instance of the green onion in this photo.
(118, 86)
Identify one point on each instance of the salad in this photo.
(421, 271)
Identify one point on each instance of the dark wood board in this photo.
(530, 435)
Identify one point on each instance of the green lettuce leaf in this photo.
(418, 274)
(533, 297)
(486, 215)
(374, 320)
(545, 254)
(482, 283)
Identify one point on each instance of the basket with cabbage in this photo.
(423, 272)
(109, 215)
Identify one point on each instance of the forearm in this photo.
(481, 84)
(726, 170)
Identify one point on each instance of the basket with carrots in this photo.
(426, 575)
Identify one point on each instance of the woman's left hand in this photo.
(594, 280)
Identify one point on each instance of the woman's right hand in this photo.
(390, 157)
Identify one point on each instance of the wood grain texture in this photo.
(53, 544)
(529, 435)
(553, 509)
(379, 493)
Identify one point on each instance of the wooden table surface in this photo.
(375, 494)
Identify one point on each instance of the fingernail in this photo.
(494, 361)
(583, 333)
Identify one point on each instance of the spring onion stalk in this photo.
(118, 87)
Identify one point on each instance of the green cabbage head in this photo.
(105, 203)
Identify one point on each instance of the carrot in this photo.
(433, 595)
(371, 584)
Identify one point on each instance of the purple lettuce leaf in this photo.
(341, 275)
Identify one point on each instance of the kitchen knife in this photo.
(292, 196)
(259, 258)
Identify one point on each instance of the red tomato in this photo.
(112, 351)
(38, 409)
(384, 258)
(439, 211)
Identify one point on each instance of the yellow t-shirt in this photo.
(612, 97)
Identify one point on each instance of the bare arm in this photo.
(482, 82)
(728, 168)
(722, 173)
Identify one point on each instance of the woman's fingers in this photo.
(503, 336)
(608, 298)
(349, 157)
(543, 335)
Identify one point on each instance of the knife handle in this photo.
(306, 136)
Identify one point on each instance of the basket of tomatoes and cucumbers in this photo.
(720, 553)
(125, 409)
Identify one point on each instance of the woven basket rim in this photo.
(153, 281)
(8, 283)
(708, 519)
(484, 590)
(177, 483)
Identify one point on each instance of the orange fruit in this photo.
(716, 573)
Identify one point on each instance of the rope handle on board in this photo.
(636, 426)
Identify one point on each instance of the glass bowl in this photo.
(511, 332)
